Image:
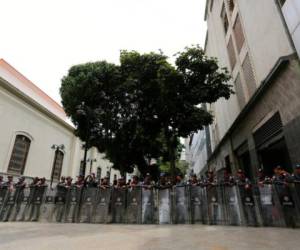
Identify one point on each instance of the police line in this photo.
(260, 205)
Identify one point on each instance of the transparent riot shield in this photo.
(118, 205)
(3, 196)
(214, 205)
(270, 206)
(196, 205)
(248, 205)
(88, 202)
(233, 214)
(37, 202)
(287, 203)
(48, 206)
(134, 205)
(72, 204)
(295, 190)
(9, 203)
(164, 206)
(60, 203)
(181, 205)
(101, 212)
(147, 206)
(24, 204)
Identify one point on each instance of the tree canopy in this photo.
(137, 111)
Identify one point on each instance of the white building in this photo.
(36, 138)
(258, 127)
(291, 12)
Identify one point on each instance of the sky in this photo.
(43, 38)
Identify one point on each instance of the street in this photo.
(31, 236)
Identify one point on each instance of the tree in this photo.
(139, 109)
(166, 99)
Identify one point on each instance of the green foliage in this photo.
(138, 110)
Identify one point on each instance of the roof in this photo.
(31, 92)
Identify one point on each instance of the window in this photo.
(98, 173)
(238, 33)
(249, 75)
(282, 2)
(231, 5)
(19, 155)
(239, 91)
(81, 168)
(231, 53)
(211, 5)
(57, 165)
(224, 19)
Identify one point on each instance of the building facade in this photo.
(291, 13)
(259, 126)
(36, 138)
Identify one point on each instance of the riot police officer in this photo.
(1, 181)
(80, 181)
(68, 183)
(194, 180)
(10, 183)
(296, 174)
(134, 182)
(105, 183)
(240, 177)
(90, 181)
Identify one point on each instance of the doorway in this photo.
(275, 154)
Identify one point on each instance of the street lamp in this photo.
(57, 148)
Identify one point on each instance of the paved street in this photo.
(31, 236)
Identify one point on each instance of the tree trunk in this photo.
(172, 154)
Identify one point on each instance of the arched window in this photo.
(19, 155)
(57, 165)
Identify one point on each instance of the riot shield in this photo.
(295, 190)
(60, 203)
(37, 202)
(197, 204)
(181, 205)
(101, 212)
(147, 206)
(24, 204)
(233, 215)
(134, 205)
(3, 196)
(72, 204)
(214, 205)
(164, 206)
(287, 203)
(48, 206)
(118, 205)
(248, 205)
(9, 204)
(88, 201)
(270, 206)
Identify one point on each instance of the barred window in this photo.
(231, 5)
(249, 75)
(282, 2)
(98, 173)
(231, 53)
(240, 91)
(57, 165)
(211, 5)
(19, 155)
(238, 33)
(224, 19)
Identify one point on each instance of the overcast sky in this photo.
(44, 38)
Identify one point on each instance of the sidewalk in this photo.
(37, 236)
